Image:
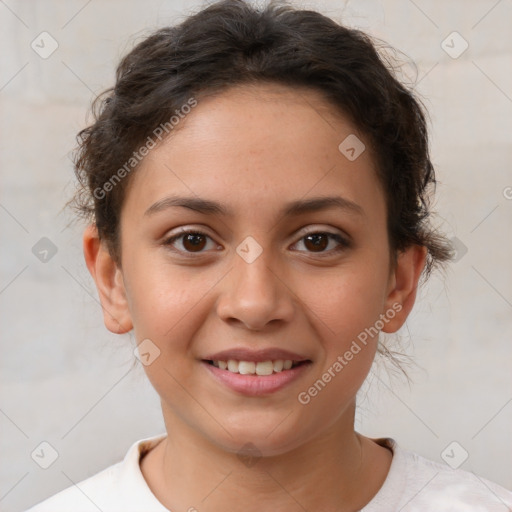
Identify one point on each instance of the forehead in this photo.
(260, 111)
(253, 146)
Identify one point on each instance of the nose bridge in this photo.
(254, 293)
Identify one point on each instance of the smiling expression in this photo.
(248, 236)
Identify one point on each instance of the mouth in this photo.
(256, 373)
(260, 368)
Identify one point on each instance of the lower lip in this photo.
(257, 385)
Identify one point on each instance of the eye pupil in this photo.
(194, 239)
(318, 243)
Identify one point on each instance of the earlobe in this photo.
(109, 282)
(403, 285)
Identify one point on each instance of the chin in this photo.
(248, 439)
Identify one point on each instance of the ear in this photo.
(109, 282)
(403, 284)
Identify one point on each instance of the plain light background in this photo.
(67, 381)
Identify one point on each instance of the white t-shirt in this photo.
(413, 484)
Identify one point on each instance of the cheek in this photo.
(168, 307)
(346, 302)
(344, 315)
(345, 309)
(164, 299)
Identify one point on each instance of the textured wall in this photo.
(65, 380)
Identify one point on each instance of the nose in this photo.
(255, 295)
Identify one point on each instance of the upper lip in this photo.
(244, 354)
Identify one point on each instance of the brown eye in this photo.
(194, 242)
(316, 242)
(191, 242)
(319, 241)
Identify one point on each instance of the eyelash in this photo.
(343, 243)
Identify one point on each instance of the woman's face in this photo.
(256, 286)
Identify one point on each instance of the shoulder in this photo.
(415, 483)
(120, 487)
(451, 489)
(83, 496)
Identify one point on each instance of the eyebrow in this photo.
(293, 208)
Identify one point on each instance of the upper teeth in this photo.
(252, 368)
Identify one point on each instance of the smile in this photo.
(256, 368)
(256, 379)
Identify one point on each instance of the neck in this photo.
(337, 471)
